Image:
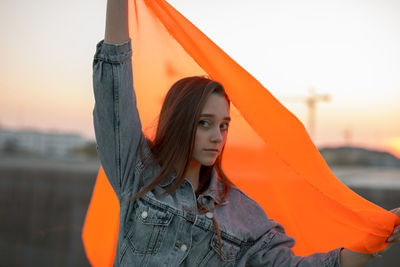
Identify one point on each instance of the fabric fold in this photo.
(269, 154)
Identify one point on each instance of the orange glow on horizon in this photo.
(394, 146)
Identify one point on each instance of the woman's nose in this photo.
(216, 136)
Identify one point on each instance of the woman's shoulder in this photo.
(244, 217)
(239, 197)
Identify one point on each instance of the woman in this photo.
(177, 207)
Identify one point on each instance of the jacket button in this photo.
(144, 214)
(183, 247)
(209, 215)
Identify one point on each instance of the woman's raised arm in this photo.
(115, 116)
(116, 22)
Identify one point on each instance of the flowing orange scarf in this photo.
(269, 155)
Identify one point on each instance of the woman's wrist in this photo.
(349, 258)
(116, 22)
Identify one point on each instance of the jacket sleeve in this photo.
(274, 249)
(115, 116)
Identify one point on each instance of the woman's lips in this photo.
(212, 150)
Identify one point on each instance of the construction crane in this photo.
(348, 136)
(311, 101)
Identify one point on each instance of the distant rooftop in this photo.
(31, 141)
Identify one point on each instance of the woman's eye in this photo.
(224, 126)
(204, 123)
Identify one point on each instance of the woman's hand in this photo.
(394, 237)
(350, 258)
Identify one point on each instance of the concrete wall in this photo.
(42, 210)
(43, 203)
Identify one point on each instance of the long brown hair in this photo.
(172, 147)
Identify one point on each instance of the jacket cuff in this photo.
(333, 259)
(113, 53)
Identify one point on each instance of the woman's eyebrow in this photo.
(212, 116)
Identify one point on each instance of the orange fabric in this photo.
(101, 224)
(269, 155)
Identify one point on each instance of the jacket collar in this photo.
(168, 180)
(214, 190)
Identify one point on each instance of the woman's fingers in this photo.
(396, 211)
(395, 237)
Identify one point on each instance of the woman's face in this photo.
(212, 130)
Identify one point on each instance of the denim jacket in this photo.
(167, 230)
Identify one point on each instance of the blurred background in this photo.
(334, 64)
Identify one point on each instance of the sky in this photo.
(347, 49)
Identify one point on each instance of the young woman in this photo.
(177, 207)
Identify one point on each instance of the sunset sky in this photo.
(347, 49)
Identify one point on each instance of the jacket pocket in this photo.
(148, 227)
(230, 250)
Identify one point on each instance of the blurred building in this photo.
(40, 143)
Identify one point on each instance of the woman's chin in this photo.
(208, 163)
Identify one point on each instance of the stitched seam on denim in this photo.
(215, 246)
(163, 206)
(207, 258)
(139, 166)
(124, 247)
(157, 236)
(204, 224)
(166, 220)
(267, 239)
(114, 56)
(208, 226)
(116, 126)
(113, 59)
(331, 259)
